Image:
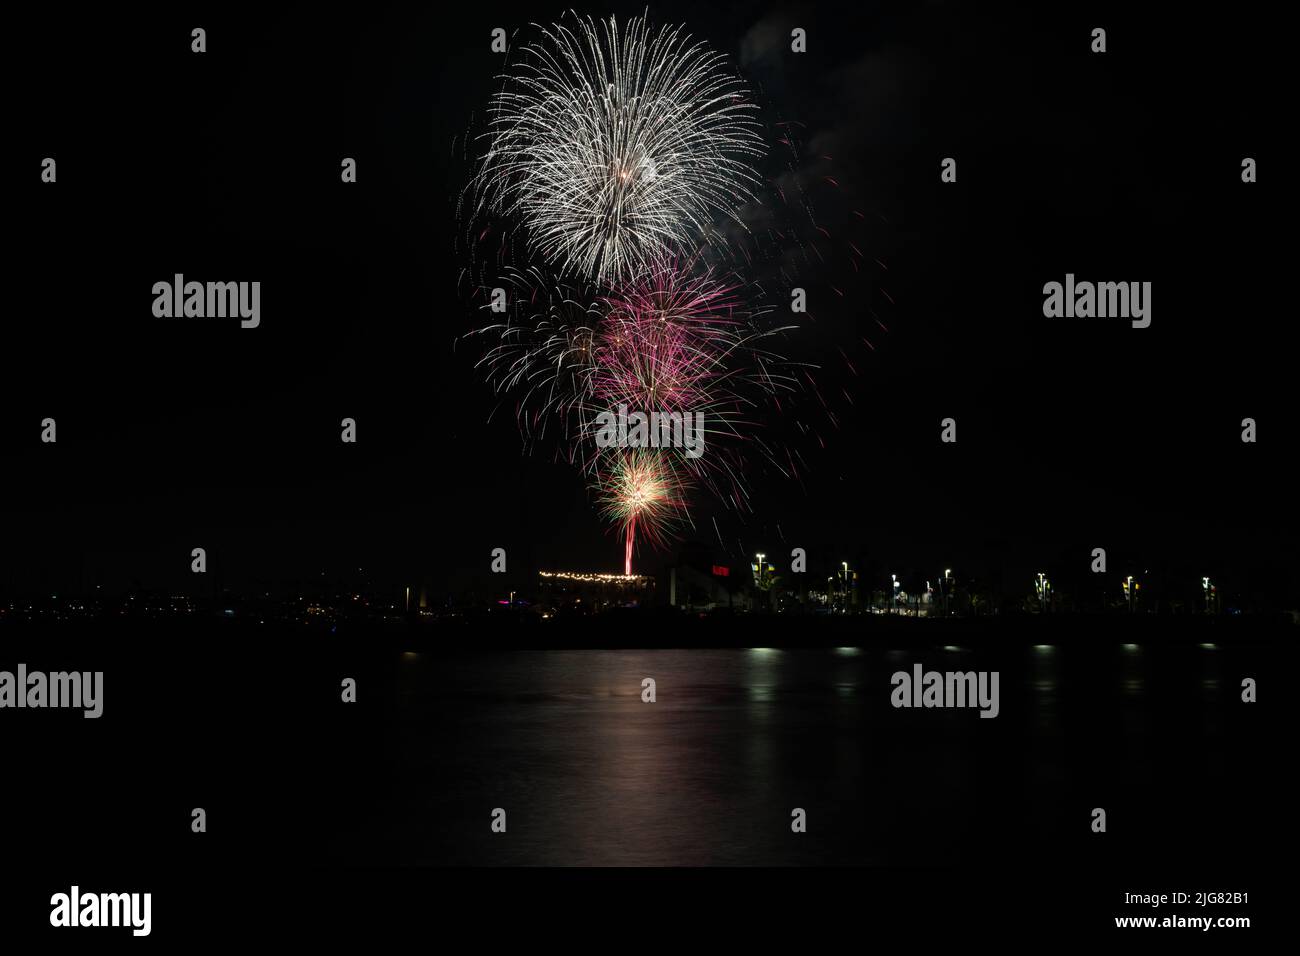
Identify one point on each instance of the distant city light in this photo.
(593, 576)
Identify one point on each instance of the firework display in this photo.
(615, 147)
(605, 204)
(642, 492)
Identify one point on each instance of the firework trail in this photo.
(642, 491)
(614, 148)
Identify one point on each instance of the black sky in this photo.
(223, 166)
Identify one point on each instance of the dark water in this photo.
(709, 773)
(315, 806)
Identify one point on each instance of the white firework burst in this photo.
(615, 148)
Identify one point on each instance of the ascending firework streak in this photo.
(615, 148)
(642, 490)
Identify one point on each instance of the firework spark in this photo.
(607, 201)
(542, 354)
(643, 493)
(676, 340)
(614, 148)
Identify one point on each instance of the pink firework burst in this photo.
(685, 342)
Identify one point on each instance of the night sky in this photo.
(1071, 435)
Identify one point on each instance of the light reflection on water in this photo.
(1044, 674)
(709, 772)
(1133, 670)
